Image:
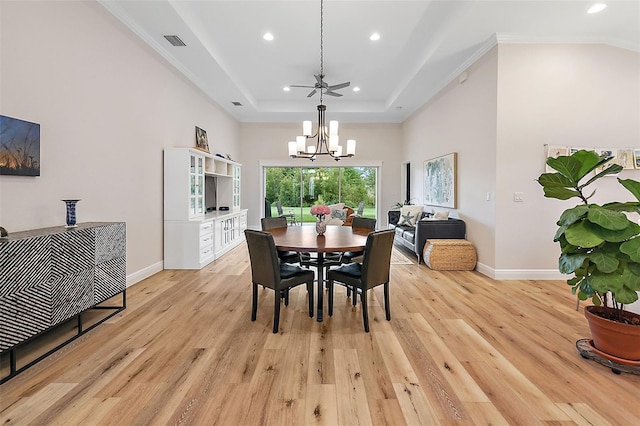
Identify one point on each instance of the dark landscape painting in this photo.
(19, 147)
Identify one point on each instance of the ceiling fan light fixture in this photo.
(356, 89)
(268, 36)
(374, 37)
(327, 139)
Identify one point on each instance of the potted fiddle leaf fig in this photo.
(600, 247)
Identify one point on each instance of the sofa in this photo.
(415, 237)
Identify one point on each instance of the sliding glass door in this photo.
(298, 188)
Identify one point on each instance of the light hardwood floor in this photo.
(460, 349)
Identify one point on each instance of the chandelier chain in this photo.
(321, 45)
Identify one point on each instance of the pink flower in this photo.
(320, 209)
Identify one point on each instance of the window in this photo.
(298, 188)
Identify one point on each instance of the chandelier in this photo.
(326, 138)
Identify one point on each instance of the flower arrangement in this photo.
(320, 210)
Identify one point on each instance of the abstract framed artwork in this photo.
(201, 140)
(19, 147)
(440, 181)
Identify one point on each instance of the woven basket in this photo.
(449, 255)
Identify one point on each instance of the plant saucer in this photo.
(613, 358)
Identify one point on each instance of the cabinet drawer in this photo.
(206, 240)
(206, 228)
(206, 251)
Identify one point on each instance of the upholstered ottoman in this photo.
(449, 255)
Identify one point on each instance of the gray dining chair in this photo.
(373, 271)
(267, 271)
(280, 222)
(360, 209)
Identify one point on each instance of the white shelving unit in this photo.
(192, 237)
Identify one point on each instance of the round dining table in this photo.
(305, 239)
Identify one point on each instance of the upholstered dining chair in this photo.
(267, 271)
(280, 222)
(358, 222)
(373, 271)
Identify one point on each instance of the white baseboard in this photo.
(520, 274)
(144, 273)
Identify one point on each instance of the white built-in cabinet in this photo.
(196, 186)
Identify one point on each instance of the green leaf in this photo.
(632, 207)
(631, 280)
(634, 268)
(606, 263)
(568, 263)
(611, 169)
(608, 219)
(555, 179)
(580, 234)
(560, 193)
(631, 231)
(632, 248)
(559, 233)
(606, 282)
(589, 160)
(569, 216)
(632, 185)
(626, 295)
(567, 166)
(596, 300)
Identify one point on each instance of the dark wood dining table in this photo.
(304, 239)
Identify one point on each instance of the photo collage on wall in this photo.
(628, 158)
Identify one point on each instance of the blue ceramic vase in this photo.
(71, 213)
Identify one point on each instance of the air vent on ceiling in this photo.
(174, 40)
(236, 103)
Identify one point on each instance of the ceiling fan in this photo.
(324, 87)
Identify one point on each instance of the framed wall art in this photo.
(201, 140)
(19, 147)
(440, 181)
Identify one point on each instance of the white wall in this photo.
(462, 119)
(567, 95)
(265, 142)
(107, 105)
(516, 99)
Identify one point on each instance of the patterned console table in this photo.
(50, 275)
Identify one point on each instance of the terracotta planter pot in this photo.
(614, 338)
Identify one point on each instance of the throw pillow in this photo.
(409, 215)
(441, 215)
(338, 206)
(339, 214)
(334, 221)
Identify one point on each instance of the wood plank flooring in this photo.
(460, 349)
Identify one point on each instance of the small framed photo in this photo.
(625, 158)
(201, 140)
(554, 151)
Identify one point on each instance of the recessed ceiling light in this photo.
(374, 37)
(286, 88)
(598, 7)
(356, 89)
(268, 36)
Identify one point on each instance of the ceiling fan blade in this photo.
(330, 93)
(308, 87)
(319, 79)
(313, 92)
(339, 86)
